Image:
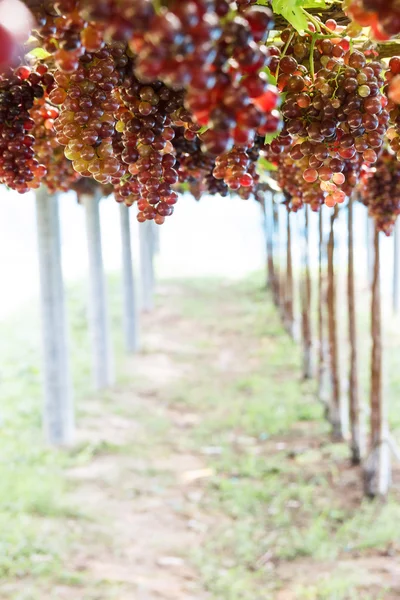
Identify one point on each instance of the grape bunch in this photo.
(218, 63)
(337, 117)
(18, 91)
(292, 68)
(86, 123)
(64, 32)
(236, 169)
(195, 167)
(146, 120)
(380, 191)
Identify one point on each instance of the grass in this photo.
(35, 511)
(259, 489)
(281, 493)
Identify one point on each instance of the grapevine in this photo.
(152, 98)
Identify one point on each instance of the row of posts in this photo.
(375, 453)
(58, 413)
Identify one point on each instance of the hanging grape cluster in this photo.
(334, 116)
(151, 98)
(18, 92)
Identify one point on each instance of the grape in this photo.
(310, 175)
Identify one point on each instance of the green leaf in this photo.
(39, 53)
(265, 165)
(292, 11)
(271, 136)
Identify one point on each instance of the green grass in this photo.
(34, 506)
(276, 490)
(274, 503)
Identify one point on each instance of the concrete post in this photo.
(131, 325)
(146, 236)
(58, 411)
(103, 372)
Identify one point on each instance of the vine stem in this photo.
(318, 24)
(312, 19)
(325, 36)
(312, 46)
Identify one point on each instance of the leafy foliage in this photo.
(294, 11)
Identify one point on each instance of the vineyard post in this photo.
(266, 208)
(354, 400)
(58, 411)
(369, 243)
(103, 373)
(147, 247)
(130, 313)
(335, 416)
(322, 363)
(289, 314)
(377, 470)
(396, 268)
(276, 246)
(306, 300)
(283, 264)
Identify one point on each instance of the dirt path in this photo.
(146, 510)
(145, 491)
(144, 497)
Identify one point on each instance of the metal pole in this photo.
(103, 372)
(146, 233)
(131, 332)
(58, 410)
